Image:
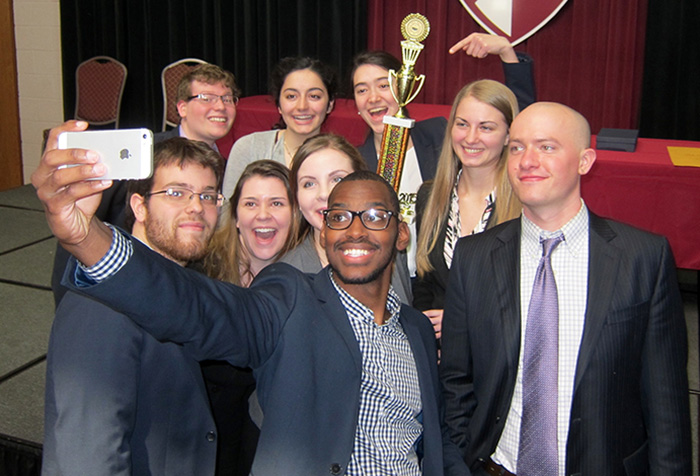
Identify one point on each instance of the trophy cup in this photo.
(405, 86)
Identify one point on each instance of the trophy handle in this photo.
(392, 84)
(421, 80)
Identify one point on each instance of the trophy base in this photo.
(407, 123)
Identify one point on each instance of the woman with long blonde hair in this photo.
(470, 191)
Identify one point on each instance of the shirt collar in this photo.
(357, 310)
(575, 233)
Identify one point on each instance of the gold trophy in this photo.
(405, 86)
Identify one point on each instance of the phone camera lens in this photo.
(144, 136)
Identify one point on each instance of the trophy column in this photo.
(405, 86)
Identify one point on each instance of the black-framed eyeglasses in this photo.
(182, 196)
(226, 99)
(375, 219)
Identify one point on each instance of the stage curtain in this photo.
(590, 56)
(671, 91)
(246, 37)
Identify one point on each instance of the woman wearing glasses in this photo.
(319, 164)
(304, 90)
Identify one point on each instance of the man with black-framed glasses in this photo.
(118, 401)
(346, 375)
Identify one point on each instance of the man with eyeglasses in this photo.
(206, 102)
(346, 375)
(118, 401)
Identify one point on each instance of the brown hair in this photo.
(311, 145)
(175, 151)
(206, 73)
(227, 259)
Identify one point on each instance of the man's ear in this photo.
(586, 161)
(138, 206)
(404, 235)
(182, 108)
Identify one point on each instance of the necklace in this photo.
(286, 148)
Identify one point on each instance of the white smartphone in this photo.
(127, 153)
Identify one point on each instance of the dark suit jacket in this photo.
(428, 135)
(119, 402)
(429, 290)
(292, 329)
(629, 413)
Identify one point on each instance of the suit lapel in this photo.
(507, 283)
(337, 315)
(602, 275)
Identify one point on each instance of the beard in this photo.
(164, 239)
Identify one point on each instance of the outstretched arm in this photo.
(70, 199)
(480, 45)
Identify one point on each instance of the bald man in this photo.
(617, 373)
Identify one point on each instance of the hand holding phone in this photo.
(127, 153)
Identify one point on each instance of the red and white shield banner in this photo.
(517, 20)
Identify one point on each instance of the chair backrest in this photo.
(99, 86)
(170, 78)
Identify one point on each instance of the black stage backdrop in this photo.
(246, 37)
(671, 88)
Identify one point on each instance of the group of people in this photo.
(308, 269)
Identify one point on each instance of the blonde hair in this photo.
(437, 207)
(227, 259)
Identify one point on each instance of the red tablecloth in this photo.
(644, 189)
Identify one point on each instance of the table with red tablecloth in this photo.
(644, 189)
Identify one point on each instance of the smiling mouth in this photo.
(222, 120)
(305, 117)
(354, 252)
(378, 112)
(265, 233)
(470, 150)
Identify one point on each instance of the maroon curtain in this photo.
(589, 56)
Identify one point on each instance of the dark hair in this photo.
(206, 73)
(366, 175)
(379, 58)
(297, 63)
(176, 151)
(226, 259)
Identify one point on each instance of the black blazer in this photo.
(629, 413)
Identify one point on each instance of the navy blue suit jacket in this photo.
(119, 402)
(292, 329)
(629, 410)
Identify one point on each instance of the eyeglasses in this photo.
(182, 196)
(226, 99)
(375, 219)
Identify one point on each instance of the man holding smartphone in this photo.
(119, 401)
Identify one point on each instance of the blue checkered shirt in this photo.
(389, 424)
